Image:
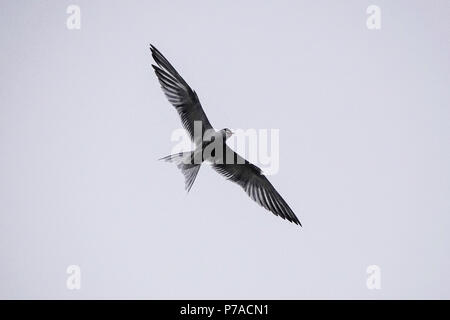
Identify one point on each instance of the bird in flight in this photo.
(210, 145)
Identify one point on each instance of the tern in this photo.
(222, 158)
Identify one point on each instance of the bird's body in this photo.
(210, 145)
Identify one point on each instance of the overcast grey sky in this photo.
(364, 149)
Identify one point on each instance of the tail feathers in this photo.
(183, 161)
(189, 176)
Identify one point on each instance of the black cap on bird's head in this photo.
(227, 133)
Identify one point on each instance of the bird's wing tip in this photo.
(297, 222)
(154, 51)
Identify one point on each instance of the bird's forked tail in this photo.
(185, 162)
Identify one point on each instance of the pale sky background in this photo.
(364, 150)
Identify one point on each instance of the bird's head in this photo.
(226, 133)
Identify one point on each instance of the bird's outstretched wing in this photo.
(180, 95)
(255, 184)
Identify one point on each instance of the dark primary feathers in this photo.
(256, 185)
(180, 95)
